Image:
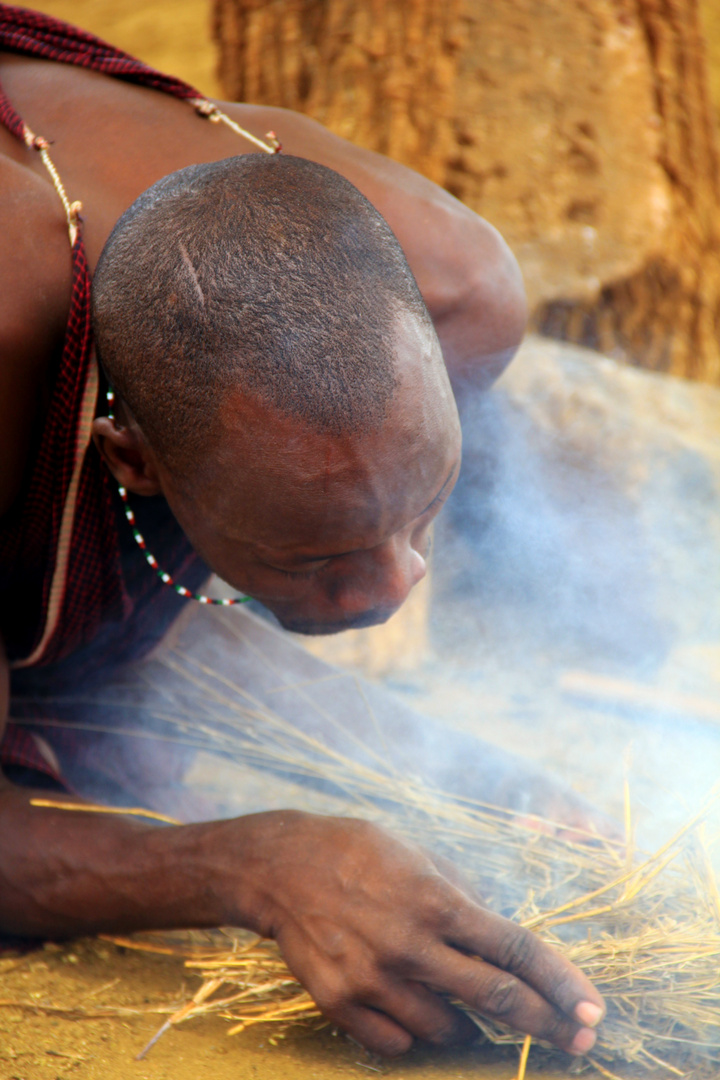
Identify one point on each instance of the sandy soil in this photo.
(36, 1044)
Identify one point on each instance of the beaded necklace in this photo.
(270, 146)
(150, 558)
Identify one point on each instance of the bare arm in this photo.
(34, 291)
(374, 928)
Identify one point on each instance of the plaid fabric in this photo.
(24, 753)
(94, 590)
(34, 34)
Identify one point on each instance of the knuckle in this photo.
(409, 954)
(561, 989)
(439, 905)
(367, 987)
(368, 832)
(517, 951)
(363, 828)
(331, 1002)
(331, 1006)
(361, 836)
(402, 952)
(501, 997)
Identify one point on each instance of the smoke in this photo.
(583, 539)
(585, 526)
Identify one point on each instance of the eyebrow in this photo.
(304, 560)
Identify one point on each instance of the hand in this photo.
(475, 769)
(380, 936)
(561, 811)
(536, 798)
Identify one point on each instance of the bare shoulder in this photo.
(35, 278)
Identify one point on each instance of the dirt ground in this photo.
(37, 1044)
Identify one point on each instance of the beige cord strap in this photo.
(216, 116)
(89, 401)
(203, 107)
(72, 210)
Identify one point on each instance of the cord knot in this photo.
(204, 107)
(73, 220)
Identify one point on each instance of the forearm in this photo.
(65, 873)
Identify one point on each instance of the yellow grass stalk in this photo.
(524, 1055)
(645, 929)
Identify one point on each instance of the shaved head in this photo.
(272, 277)
(281, 385)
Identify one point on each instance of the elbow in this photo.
(481, 329)
(499, 297)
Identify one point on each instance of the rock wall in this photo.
(582, 129)
(537, 113)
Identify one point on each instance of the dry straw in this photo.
(645, 929)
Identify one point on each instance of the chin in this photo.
(314, 628)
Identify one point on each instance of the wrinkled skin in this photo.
(377, 931)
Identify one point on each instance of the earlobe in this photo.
(126, 455)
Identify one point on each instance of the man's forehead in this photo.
(255, 435)
(332, 493)
(349, 491)
(341, 532)
(276, 479)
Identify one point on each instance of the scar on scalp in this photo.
(191, 271)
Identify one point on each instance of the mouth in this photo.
(315, 629)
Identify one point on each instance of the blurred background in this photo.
(573, 613)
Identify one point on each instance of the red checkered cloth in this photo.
(90, 587)
(34, 34)
(63, 580)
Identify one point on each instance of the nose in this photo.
(381, 579)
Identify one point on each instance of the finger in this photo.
(505, 998)
(374, 1030)
(425, 1015)
(512, 949)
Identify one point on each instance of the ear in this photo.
(127, 456)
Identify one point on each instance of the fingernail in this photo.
(588, 1014)
(583, 1041)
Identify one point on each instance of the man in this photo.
(277, 389)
